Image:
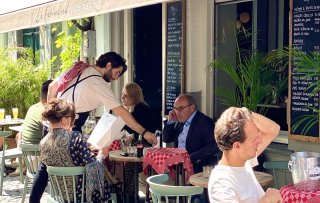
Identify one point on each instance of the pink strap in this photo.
(77, 68)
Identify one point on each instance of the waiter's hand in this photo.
(150, 137)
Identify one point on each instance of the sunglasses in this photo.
(180, 108)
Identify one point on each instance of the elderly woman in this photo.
(63, 147)
(132, 99)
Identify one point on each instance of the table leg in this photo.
(183, 175)
(176, 181)
(180, 169)
(136, 182)
(122, 187)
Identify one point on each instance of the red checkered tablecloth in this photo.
(162, 160)
(291, 195)
(115, 145)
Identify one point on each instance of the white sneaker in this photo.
(8, 162)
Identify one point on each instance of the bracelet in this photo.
(144, 132)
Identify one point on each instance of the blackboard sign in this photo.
(173, 54)
(305, 35)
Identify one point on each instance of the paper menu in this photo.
(107, 129)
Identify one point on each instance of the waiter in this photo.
(88, 87)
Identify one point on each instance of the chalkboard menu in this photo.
(305, 37)
(173, 53)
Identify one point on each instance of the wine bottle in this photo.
(140, 147)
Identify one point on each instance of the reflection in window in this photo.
(31, 40)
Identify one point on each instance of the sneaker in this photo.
(14, 173)
(8, 162)
(8, 169)
(17, 173)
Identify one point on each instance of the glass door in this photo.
(233, 32)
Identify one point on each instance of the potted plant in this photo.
(258, 79)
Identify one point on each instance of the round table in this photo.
(291, 195)
(115, 156)
(198, 179)
(4, 124)
(163, 159)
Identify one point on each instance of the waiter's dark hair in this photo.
(115, 59)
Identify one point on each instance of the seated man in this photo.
(192, 130)
(32, 131)
(242, 136)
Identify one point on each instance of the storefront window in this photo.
(31, 40)
(243, 26)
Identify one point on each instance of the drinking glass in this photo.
(15, 113)
(132, 150)
(8, 118)
(1, 114)
(126, 142)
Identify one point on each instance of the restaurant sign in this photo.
(62, 10)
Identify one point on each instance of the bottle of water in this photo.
(88, 126)
(158, 134)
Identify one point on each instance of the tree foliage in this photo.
(71, 46)
(20, 79)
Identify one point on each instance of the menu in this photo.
(305, 37)
(107, 129)
(173, 53)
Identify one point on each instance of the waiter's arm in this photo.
(133, 124)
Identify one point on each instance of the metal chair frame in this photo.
(31, 157)
(158, 190)
(277, 166)
(9, 154)
(63, 174)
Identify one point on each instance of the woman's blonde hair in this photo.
(134, 91)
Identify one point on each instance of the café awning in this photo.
(41, 12)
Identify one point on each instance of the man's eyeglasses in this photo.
(180, 108)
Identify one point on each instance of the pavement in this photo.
(13, 189)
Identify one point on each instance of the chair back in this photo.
(158, 190)
(31, 157)
(279, 169)
(63, 182)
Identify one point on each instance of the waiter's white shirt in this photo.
(90, 93)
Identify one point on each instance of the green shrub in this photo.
(20, 79)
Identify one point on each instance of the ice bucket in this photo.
(304, 166)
